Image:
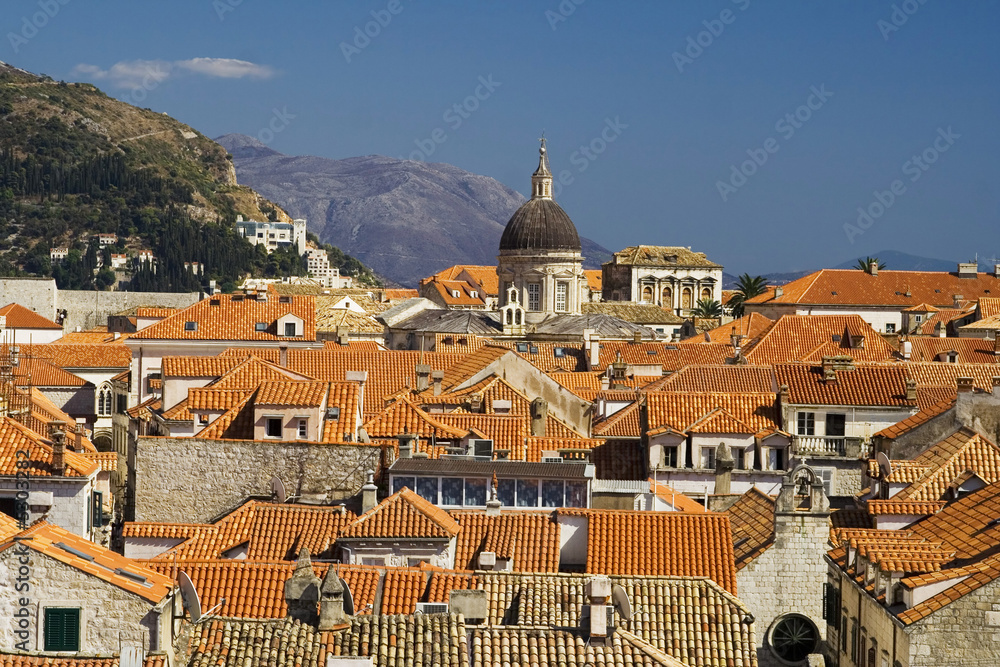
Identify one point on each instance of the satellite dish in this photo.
(132, 656)
(348, 598)
(190, 596)
(884, 467)
(621, 602)
(277, 490)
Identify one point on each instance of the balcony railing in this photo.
(821, 445)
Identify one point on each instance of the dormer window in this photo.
(190, 326)
(455, 294)
(474, 294)
(290, 328)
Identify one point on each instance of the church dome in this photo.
(540, 224)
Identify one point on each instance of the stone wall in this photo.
(787, 578)
(966, 632)
(88, 309)
(70, 501)
(193, 480)
(109, 616)
(37, 294)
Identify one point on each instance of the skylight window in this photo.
(558, 352)
(260, 326)
(522, 347)
(190, 326)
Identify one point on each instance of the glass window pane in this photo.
(576, 494)
(475, 492)
(451, 491)
(427, 488)
(552, 493)
(505, 492)
(527, 493)
(399, 482)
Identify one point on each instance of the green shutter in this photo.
(62, 629)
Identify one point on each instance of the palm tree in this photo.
(866, 264)
(747, 287)
(707, 309)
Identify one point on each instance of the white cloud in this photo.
(148, 73)
(226, 68)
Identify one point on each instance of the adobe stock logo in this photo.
(786, 126)
(915, 167)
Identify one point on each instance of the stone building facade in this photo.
(671, 277)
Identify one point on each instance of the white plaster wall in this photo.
(148, 547)
(572, 539)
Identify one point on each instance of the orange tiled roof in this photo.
(945, 316)
(469, 365)
(550, 356)
(441, 584)
(19, 317)
(937, 374)
(15, 437)
(879, 385)
(677, 500)
(403, 514)
(529, 539)
(234, 317)
(797, 337)
(9, 526)
(680, 410)
(720, 421)
(903, 507)
(622, 424)
(485, 276)
(913, 421)
(256, 589)
(447, 289)
(210, 399)
(152, 311)
(966, 525)
(944, 462)
(675, 544)
(291, 394)
(752, 520)
(40, 372)
(749, 326)
(45, 538)
(270, 532)
(402, 416)
(594, 279)
(108, 461)
(970, 350)
(198, 366)
(723, 378)
(402, 589)
(889, 288)
(86, 356)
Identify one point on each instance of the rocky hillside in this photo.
(75, 163)
(404, 219)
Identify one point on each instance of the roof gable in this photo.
(19, 317)
(403, 515)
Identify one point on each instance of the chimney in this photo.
(361, 377)
(996, 386)
(911, 389)
(618, 370)
(343, 335)
(539, 414)
(940, 329)
(724, 465)
(369, 494)
(598, 590)
(58, 436)
(302, 591)
(78, 446)
(964, 384)
(437, 377)
(636, 337)
(996, 270)
(873, 268)
(331, 602)
(996, 343)
(476, 403)
(423, 376)
(675, 337)
(605, 382)
(779, 292)
(406, 442)
(283, 356)
(968, 269)
(595, 351)
(957, 300)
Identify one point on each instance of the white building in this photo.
(318, 263)
(674, 278)
(273, 235)
(57, 255)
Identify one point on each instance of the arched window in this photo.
(508, 317)
(793, 637)
(668, 297)
(104, 401)
(647, 294)
(706, 293)
(686, 298)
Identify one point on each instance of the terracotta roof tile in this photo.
(903, 507)
(869, 385)
(402, 416)
(676, 544)
(913, 421)
(752, 521)
(234, 317)
(679, 411)
(750, 327)
(796, 337)
(529, 539)
(888, 288)
(78, 660)
(15, 437)
(104, 564)
(966, 525)
(724, 378)
(291, 394)
(19, 317)
(969, 350)
(65, 356)
(622, 424)
(677, 500)
(108, 461)
(403, 514)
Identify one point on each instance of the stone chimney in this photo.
(594, 351)
(618, 370)
(636, 337)
(437, 377)
(911, 389)
(968, 269)
(965, 385)
(331, 602)
(283, 356)
(779, 292)
(423, 376)
(996, 270)
(78, 446)
(873, 268)
(58, 436)
(361, 377)
(539, 415)
(406, 442)
(940, 329)
(343, 336)
(369, 493)
(476, 403)
(302, 591)
(598, 591)
(996, 343)
(957, 299)
(724, 465)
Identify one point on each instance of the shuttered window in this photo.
(62, 629)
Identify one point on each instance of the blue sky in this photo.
(751, 131)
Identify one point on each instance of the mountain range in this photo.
(405, 219)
